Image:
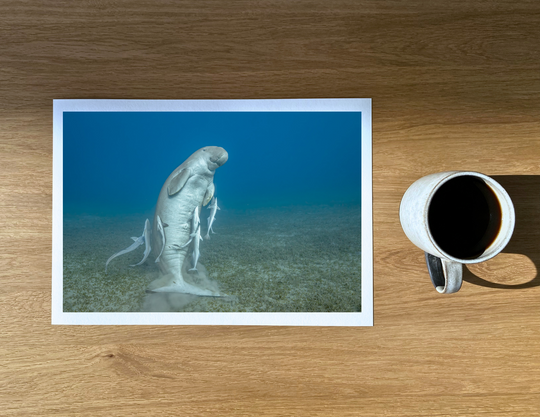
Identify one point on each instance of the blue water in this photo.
(117, 162)
(288, 233)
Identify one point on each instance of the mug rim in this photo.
(498, 245)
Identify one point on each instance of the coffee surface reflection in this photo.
(464, 217)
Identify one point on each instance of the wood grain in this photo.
(455, 86)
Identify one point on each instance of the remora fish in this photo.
(147, 247)
(197, 236)
(144, 238)
(195, 221)
(213, 208)
(160, 226)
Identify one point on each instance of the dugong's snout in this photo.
(220, 156)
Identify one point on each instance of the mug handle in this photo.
(446, 276)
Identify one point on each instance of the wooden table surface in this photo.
(455, 86)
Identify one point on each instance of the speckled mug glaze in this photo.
(413, 215)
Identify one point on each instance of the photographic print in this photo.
(212, 212)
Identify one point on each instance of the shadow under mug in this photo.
(456, 218)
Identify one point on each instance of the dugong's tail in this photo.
(179, 283)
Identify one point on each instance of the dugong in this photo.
(190, 185)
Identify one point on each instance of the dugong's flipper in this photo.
(178, 181)
(146, 237)
(209, 194)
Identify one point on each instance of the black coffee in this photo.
(464, 217)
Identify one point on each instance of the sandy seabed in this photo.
(287, 259)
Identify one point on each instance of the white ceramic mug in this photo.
(445, 268)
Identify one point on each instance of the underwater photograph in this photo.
(205, 211)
